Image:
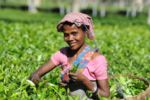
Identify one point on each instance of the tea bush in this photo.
(28, 40)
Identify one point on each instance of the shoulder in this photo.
(98, 64)
(98, 58)
(96, 55)
(59, 56)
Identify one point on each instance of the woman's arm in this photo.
(35, 77)
(103, 88)
(80, 77)
(103, 85)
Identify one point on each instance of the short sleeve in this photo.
(59, 57)
(55, 58)
(101, 68)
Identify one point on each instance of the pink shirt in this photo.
(96, 69)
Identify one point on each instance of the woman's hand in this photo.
(35, 78)
(78, 76)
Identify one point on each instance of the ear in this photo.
(85, 34)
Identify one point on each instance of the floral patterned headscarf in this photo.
(78, 19)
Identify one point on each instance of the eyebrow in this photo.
(70, 32)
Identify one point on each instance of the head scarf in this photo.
(78, 19)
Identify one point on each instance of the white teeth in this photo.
(72, 43)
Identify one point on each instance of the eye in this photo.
(74, 33)
(65, 34)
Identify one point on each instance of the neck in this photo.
(76, 52)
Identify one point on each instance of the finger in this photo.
(62, 84)
(73, 77)
(72, 74)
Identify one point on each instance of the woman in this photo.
(83, 68)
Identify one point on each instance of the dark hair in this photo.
(83, 26)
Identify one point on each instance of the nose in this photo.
(70, 37)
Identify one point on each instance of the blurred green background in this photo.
(29, 37)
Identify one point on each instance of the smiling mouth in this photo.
(72, 44)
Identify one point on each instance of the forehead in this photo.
(70, 28)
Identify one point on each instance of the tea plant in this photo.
(27, 41)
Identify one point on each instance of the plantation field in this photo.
(28, 40)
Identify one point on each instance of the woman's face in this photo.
(74, 36)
